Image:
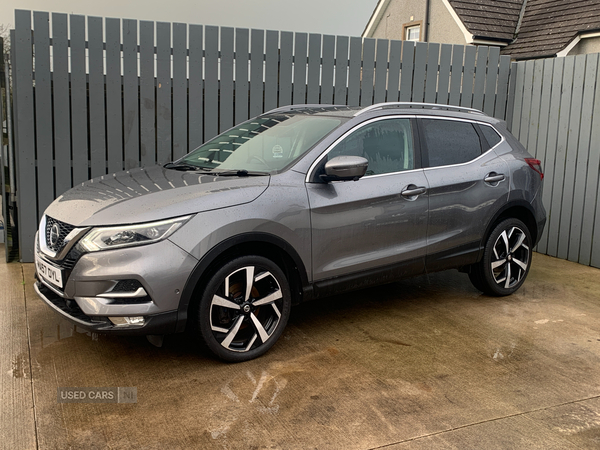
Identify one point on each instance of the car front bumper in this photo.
(88, 297)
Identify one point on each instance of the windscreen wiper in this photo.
(181, 166)
(236, 173)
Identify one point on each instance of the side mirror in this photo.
(345, 168)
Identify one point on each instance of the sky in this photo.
(336, 17)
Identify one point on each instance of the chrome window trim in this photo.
(318, 160)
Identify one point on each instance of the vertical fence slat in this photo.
(536, 98)
(131, 115)
(456, 77)
(393, 83)
(518, 96)
(512, 85)
(114, 122)
(226, 79)
(62, 110)
(418, 91)
(561, 148)
(571, 156)
(444, 76)
(79, 137)
(542, 141)
(196, 87)
(366, 92)
(526, 102)
(300, 48)
(242, 48)
(431, 77)
(211, 83)
(341, 70)
(327, 71)
(539, 116)
(354, 63)
(96, 98)
(25, 132)
(164, 135)
(43, 111)
(502, 89)
(480, 73)
(490, 80)
(314, 68)
(381, 71)
(180, 91)
(576, 250)
(555, 100)
(147, 92)
(466, 99)
(285, 68)
(408, 63)
(257, 46)
(590, 243)
(271, 68)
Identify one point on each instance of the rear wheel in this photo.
(244, 308)
(506, 259)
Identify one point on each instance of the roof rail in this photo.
(301, 107)
(418, 105)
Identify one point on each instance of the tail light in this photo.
(536, 165)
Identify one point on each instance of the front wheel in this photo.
(506, 259)
(244, 308)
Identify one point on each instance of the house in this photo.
(524, 29)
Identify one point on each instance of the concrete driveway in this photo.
(424, 363)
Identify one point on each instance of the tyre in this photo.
(506, 259)
(244, 308)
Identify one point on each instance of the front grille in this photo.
(56, 232)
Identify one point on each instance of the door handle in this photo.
(494, 177)
(413, 190)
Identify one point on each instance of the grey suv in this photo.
(297, 204)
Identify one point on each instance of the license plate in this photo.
(49, 273)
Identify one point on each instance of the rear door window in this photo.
(450, 141)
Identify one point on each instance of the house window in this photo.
(412, 31)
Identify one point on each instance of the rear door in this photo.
(468, 183)
(361, 227)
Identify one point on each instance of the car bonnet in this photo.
(154, 193)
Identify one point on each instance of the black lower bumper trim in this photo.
(164, 323)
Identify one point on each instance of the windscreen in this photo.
(266, 144)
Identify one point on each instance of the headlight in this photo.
(129, 235)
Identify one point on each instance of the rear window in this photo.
(450, 141)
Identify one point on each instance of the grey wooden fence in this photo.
(102, 95)
(556, 115)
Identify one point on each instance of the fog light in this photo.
(124, 321)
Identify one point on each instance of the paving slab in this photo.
(423, 363)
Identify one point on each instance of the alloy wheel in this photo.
(246, 309)
(510, 259)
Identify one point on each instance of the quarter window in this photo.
(387, 145)
(450, 141)
(491, 136)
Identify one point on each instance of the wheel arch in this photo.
(518, 209)
(260, 244)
